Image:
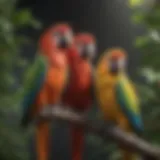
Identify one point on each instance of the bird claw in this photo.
(46, 111)
(50, 108)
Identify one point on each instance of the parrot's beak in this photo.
(63, 43)
(117, 65)
(66, 40)
(86, 54)
(114, 67)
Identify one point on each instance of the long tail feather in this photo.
(77, 136)
(42, 141)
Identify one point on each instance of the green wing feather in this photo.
(129, 103)
(33, 83)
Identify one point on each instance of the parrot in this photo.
(61, 34)
(78, 96)
(117, 96)
(44, 84)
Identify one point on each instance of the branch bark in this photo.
(130, 142)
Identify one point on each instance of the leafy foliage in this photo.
(12, 141)
(149, 83)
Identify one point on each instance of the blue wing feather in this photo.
(129, 104)
(34, 81)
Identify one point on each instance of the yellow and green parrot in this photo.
(116, 95)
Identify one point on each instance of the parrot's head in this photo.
(116, 60)
(63, 35)
(59, 36)
(85, 44)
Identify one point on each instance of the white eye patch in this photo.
(69, 36)
(122, 63)
(57, 37)
(91, 49)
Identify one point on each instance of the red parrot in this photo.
(78, 95)
(45, 82)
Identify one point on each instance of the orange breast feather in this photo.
(57, 72)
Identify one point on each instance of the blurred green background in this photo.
(13, 140)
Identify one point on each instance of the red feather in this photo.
(78, 95)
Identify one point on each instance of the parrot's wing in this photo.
(128, 101)
(33, 82)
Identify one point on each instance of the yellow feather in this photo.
(130, 92)
(105, 90)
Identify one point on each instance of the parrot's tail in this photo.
(77, 138)
(42, 141)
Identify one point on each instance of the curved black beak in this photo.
(114, 67)
(86, 54)
(63, 43)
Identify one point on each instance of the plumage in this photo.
(45, 82)
(78, 95)
(116, 95)
(33, 83)
(129, 103)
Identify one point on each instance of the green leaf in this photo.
(141, 41)
(138, 18)
(36, 24)
(24, 17)
(10, 45)
(135, 3)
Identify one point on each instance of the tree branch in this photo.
(130, 142)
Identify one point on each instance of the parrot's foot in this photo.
(46, 111)
(61, 110)
(49, 109)
(58, 105)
